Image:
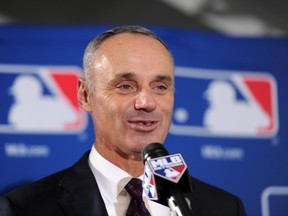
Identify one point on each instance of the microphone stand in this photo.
(178, 205)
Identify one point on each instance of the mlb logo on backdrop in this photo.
(224, 104)
(40, 99)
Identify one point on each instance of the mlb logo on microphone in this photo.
(170, 167)
(225, 104)
(40, 99)
(149, 184)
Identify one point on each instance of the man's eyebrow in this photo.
(165, 78)
(131, 75)
(125, 75)
(121, 77)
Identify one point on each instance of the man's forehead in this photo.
(127, 38)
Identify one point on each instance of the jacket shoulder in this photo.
(215, 201)
(41, 197)
(33, 197)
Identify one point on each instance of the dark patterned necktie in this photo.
(137, 206)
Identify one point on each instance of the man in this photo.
(128, 88)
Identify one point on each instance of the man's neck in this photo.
(131, 164)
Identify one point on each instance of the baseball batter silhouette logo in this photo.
(40, 99)
(230, 103)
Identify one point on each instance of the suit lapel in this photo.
(80, 194)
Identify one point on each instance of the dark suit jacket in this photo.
(74, 191)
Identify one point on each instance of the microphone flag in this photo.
(168, 168)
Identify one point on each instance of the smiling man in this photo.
(130, 97)
(128, 89)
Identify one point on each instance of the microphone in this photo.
(166, 178)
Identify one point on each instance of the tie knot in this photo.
(134, 188)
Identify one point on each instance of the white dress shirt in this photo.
(111, 181)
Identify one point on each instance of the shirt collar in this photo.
(110, 178)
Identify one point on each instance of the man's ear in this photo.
(83, 95)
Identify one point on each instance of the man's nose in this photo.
(145, 101)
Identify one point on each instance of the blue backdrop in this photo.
(230, 118)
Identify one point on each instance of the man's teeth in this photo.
(144, 123)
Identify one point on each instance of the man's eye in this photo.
(125, 87)
(161, 87)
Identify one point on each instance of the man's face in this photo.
(132, 95)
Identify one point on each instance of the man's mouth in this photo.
(143, 125)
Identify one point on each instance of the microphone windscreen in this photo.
(153, 150)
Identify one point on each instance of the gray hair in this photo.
(96, 42)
